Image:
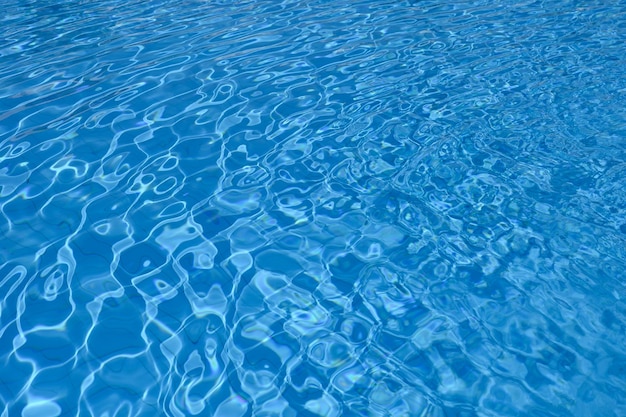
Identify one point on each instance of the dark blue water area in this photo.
(313, 208)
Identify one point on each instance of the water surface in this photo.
(312, 208)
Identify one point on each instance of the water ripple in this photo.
(334, 208)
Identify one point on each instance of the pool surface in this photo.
(313, 208)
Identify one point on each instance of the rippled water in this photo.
(299, 208)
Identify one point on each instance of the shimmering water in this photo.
(312, 208)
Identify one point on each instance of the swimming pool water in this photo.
(313, 208)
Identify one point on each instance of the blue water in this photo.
(313, 208)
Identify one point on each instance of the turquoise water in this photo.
(312, 208)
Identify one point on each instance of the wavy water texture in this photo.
(312, 208)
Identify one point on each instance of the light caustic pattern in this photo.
(312, 208)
